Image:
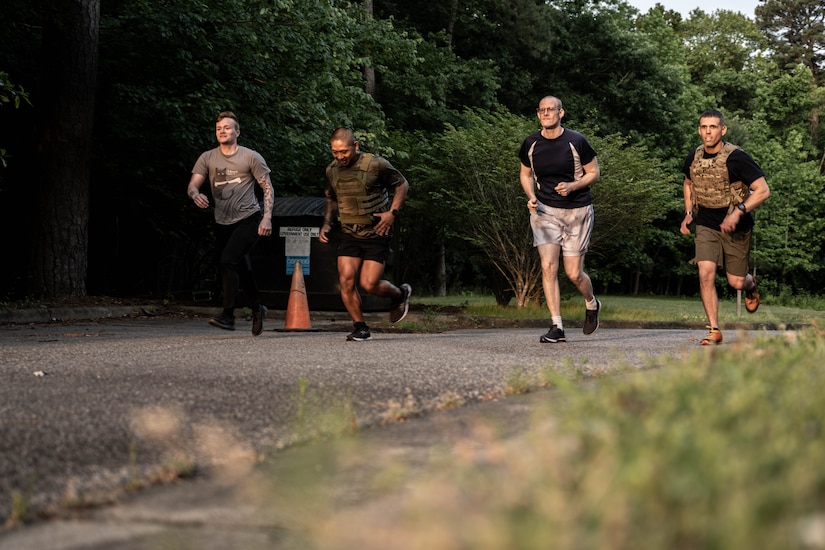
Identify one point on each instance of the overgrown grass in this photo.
(722, 448)
(636, 308)
(20, 505)
(318, 415)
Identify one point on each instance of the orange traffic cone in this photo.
(297, 307)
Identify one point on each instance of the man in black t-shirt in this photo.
(722, 186)
(558, 166)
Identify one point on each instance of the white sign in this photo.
(297, 246)
(299, 231)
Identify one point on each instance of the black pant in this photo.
(235, 242)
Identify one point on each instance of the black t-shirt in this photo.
(741, 167)
(557, 160)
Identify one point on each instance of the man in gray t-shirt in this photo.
(233, 171)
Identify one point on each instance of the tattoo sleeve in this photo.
(269, 198)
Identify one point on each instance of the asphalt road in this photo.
(86, 408)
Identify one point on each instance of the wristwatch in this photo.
(741, 206)
(394, 212)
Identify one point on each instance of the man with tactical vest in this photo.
(358, 195)
(722, 187)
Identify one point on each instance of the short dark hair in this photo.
(343, 134)
(228, 114)
(713, 113)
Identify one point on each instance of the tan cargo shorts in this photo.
(729, 250)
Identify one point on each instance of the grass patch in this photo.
(519, 382)
(430, 320)
(632, 308)
(722, 448)
(318, 415)
(20, 506)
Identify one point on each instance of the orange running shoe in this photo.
(714, 337)
(752, 298)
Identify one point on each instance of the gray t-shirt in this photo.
(233, 179)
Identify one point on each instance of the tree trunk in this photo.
(451, 23)
(369, 81)
(442, 270)
(369, 71)
(66, 103)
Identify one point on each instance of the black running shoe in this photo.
(258, 320)
(591, 319)
(225, 322)
(553, 336)
(359, 334)
(398, 310)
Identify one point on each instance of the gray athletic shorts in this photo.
(569, 228)
(729, 250)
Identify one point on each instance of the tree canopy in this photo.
(443, 89)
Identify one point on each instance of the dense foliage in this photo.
(454, 93)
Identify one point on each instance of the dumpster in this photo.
(296, 222)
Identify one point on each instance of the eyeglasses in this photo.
(547, 110)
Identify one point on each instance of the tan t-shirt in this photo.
(233, 179)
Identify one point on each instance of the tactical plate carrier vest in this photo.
(710, 181)
(355, 205)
